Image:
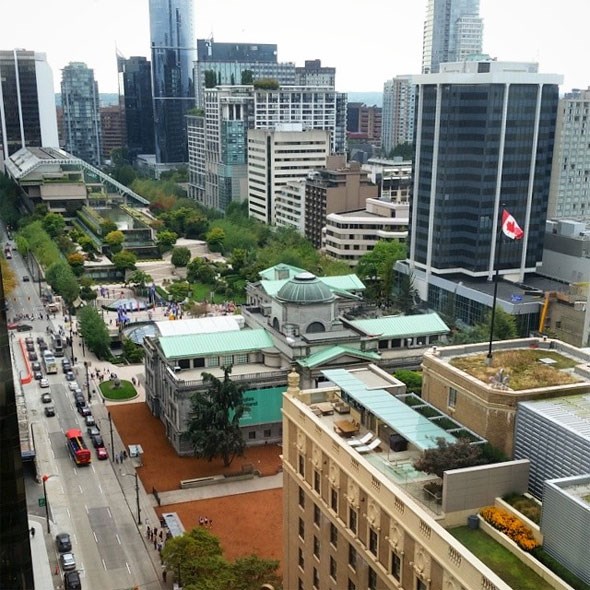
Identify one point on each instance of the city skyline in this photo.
(513, 31)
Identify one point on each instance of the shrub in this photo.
(511, 526)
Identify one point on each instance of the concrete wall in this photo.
(475, 487)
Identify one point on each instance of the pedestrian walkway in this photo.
(42, 570)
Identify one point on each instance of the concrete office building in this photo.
(112, 125)
(80, 101)
(392, 177)
(349, 236)
(228, 62)
(356, 518)
(173, 55)
(135, 94)
(195, 133)
(27, 102)
(397, 124)
(459, 191)
(569, 194)
(279, 156)
(364, 122)
(314, 74)
(452, 32)
(290, 205)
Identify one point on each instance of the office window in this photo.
(316, 481)
(316, 546)
(302, 465)
(301, 498)
(316, 578)
(301, 559)
(316, 515)
(352, 519)
(333, 535)
(301, 528)
(452, 401)
(334, 500)
(396, 566)
(373, 541)
(372, 581)
(333, 568)
(352, 557)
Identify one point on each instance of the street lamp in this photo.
(112, 445)
(136, 493)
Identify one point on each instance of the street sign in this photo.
(41, 502)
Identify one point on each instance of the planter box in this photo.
(534, 527)
(525, 557)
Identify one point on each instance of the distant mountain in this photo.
(106, 99)
(369, 98)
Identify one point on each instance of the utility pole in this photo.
(112, 445)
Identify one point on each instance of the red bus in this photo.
(77, 447)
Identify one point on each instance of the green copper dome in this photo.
(305, 289)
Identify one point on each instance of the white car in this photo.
(73, 385)
(44, 383)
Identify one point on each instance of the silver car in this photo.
(68, 562)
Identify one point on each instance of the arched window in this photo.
(315, 327)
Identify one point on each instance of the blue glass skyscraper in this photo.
(173, 54)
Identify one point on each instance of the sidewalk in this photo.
(43, 572)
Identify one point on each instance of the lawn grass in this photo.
(503, 563)
(523, 367)
(126, 391)
(202, 292)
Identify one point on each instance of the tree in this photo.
(166, 239)
(412, 380)
(375, 268)
(251, 572)
(178, 290)
(114, 239)
(214, 427)
(200, 271)
(76, 261)
(125, 174)
(504, 329)
(53, 224)
(9, 281)
(215, 238)
(86, 244)
(87, 293)
(94, 331)
(138, 279)
(180, 256)
(247, 77)
(125, 260)
(107, 226)
(210, 79)
(132, 352)
(403, 150)
(63, 281)
(448, 456)
(266, 84)
(407, 293)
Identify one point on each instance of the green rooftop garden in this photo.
(523, 367)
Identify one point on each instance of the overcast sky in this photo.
(368, 43)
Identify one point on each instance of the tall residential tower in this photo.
(397, 124)
(453, 30)
(173, 54)
(27, 102)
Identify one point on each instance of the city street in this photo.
(95, 504)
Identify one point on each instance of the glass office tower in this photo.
(173, 54)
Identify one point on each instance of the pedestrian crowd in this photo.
(205, 521)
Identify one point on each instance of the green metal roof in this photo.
(341, 283)
(401, 418)
(268, 273)
(403, 326)
(198, 345)
(323, 356)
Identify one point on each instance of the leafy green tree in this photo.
(76, 261)
(125, 174)
(22, 245)
(166, 239)
(375, 269)
(125, 260)
(215, 238)
(179, 290)
(403, 150)
(114, 240)
(132, 352)
(504, 329)
(200, 271)
(266, 84)
(107, 226)
(86, 244)
(214, 425)
(54, 224)
(251, 572)
(412, 380)
(446, 456)
(87, 293)
(138, 280)
(94, 332)
(181, 256)
(247, 77)
(63, 281)
(120, 156)
(210, 79)
(407, 294)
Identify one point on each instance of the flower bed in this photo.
(511, 526)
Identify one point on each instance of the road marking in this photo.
(104, 565)
(92, 466)
(119, 540)
(95, 537)
(86, 508)
(100, 488)
(53, 453)
(109, 511)
(128, 568)
(81, 490)
(69, 515)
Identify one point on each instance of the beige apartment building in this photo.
(353, 517)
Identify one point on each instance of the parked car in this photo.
(90, 421)
(73, 385)
(33, 355)
(30, 346)
(38, 375)
(26, 278)
(49, 411)
(24, 328)
(101, 453)
(46, 398)
(29, 340)
(63, 542)
(92, 431)
(97, 441)
(69, 376)
(42, 345)
(67, 561)
(79, 400)
(84, 411)
(36, 366)
(12, 325)
(44, 382)
(72, 581)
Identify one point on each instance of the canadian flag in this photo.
(510, 227)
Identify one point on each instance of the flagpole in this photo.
(496, 277)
